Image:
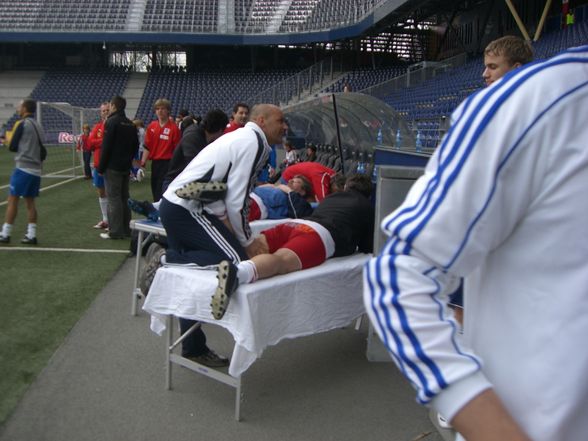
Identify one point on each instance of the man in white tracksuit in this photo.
(502, 203)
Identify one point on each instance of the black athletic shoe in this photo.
(203, 191)
(227, 285)
(28, 241)
(4, 239)
(210, 359)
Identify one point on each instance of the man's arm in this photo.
(16, 135)
(107, 145)
(466, 205)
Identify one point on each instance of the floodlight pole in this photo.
(338, 134)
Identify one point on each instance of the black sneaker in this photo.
(227, 285)
(29, 241)
(203, 191)
(4, 239)
(210, 359)
(155, 253)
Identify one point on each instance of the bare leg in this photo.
(32, 210)
(11, 209)
(283, 261)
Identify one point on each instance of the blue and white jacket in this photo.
(503, 204)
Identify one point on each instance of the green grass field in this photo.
(44, 293)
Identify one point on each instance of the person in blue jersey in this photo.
(500, 204)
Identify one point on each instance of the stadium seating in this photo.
(202, 91)
(180, 16)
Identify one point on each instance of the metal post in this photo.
(338, 135)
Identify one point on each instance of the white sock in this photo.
(32, 231)
(104, 208)
(247, 272)
(6, 230)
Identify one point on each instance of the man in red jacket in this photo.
(95, 142)
(239, 118)
(161, 138)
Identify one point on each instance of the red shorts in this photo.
(299, 238)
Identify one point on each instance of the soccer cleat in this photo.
(210, 359)
(154, 255)
(227, 285)
(4, 239)
(101, 225)
(203, 191)
(29, 240)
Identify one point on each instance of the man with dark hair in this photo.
(27, 142)
(341, 224)
(119, 147)
(503, 55)
(239, 118)
(194, 138)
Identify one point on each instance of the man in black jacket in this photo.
(119, 147)
(341, 224)
(194, 138)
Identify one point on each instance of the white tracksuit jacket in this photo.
(504, 204)
(235, 158)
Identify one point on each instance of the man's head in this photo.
(311, 151)
(300, 185)
(27, 107)
(271, 120)
(338, 182)
(361, 183)
(117, 104)
(240, 113)
(104, 110)
(86, 128)
(162, 108)
(181, 115)
(214, 124)
(503, 55)
(288, 146)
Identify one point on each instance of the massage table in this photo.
(260, 314)
(147, 226)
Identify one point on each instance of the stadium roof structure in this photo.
(137, 22)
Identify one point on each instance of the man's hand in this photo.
(258, 246)
(485, 418)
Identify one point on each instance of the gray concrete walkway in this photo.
(106, 382)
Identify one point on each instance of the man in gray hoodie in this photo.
(27, 142)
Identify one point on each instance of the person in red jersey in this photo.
(161, 138)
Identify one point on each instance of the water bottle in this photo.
(419, 142)
(375, 174)
(398, 139)
(379, 137)
(360, 167)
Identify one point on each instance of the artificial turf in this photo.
(44, 293)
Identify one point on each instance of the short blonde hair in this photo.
(162, 102)
(514, 49)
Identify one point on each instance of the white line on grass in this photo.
(75, 250)
(46, 188)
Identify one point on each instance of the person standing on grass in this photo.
(161, 138)
(27, 142)
(95, 141)
(119, 147)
